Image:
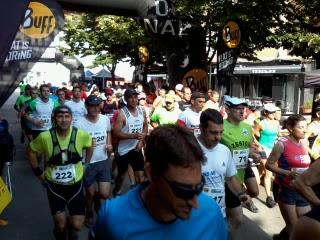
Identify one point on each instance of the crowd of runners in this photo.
(193, 158)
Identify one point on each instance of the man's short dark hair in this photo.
(210, 115)
(172, 145)
(62, 109)
(42, 86)
(76, 87)
(60, 90)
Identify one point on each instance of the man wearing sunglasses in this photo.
(167, 114)
(170, 205)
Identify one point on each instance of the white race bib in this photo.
(46, 121)
(64, 174)
(135, 128)
(196, 132)
(218, 195)
(240, 157)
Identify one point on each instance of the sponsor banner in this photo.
(143, 54)
(11, 15)
(229, 40)
(42, 20)
(196, 79)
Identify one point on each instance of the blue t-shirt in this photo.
(126, 217)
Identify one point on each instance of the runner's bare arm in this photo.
(237, 189)
(145, 122)
(256, 129)
(89, 153)
(109, 143)
(273, 158)
(308, 179)
(32, 157)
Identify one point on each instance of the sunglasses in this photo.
(185, 192)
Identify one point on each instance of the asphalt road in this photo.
(29, 216)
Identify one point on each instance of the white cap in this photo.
(179, 87)
(270, 107)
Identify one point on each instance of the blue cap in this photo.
(234, 101)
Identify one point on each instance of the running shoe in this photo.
(251, 207)
(270, 202)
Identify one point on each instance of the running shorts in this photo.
(291, 197)
(72, 196)
(134, 158)
(97, 172)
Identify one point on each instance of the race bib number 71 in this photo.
(240, 157)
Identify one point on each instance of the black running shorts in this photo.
(134, 158)
(72, 196)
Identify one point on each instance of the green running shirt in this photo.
(43, 145)
(238, 139)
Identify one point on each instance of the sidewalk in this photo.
(29, 215)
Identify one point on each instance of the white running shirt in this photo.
(42, 111)
(98, 131)
(78, 110)
(133, 125)
(191, 119)
(219, 165)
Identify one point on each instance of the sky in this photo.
(123, 68)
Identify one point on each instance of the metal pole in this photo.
(8, 177)
(210, 72)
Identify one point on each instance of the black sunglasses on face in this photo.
(185, 192)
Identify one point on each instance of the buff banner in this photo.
(229, 40)
(41, 21)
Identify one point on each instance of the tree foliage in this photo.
(293, 24)
(110, 38)
(300, 32)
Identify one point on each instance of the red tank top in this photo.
(294, 157)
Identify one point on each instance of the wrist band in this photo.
(241, 193)
(37, 171)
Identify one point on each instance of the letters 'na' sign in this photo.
(39, 21)
(231, 34)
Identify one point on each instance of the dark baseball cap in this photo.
(93, 100)
(130, 92)
(196, 95)
(62, 109)
(27, 87)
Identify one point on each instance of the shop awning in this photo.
(266, 70)
(312, 79)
